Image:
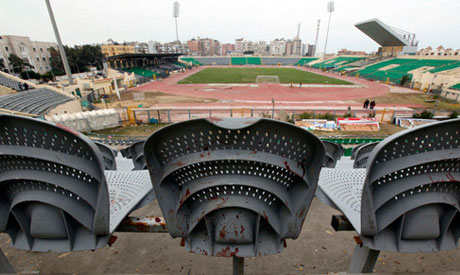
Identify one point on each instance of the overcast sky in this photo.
(436, 22)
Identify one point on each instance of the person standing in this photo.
(366, 104)
(372, 104)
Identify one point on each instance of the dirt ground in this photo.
(319, 249)
(386, 129)
(151, 98)
(416, 99)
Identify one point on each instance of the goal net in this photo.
(267, 79)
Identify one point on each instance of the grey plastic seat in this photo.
(54, 193)
(362, 154)
(236, 186)
(135, 152)
(407, 198)
(334, 152)
(108, 156)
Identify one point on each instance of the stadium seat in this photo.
(260, 176)
(36, 101)
(334, 152)
(362, 154)
(56, 194)
(407, 199)
(335, 62)
(135, 152)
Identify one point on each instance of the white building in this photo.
(152, 46)
(34, 53)
(278, 47)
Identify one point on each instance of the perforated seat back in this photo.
(411, 195)
(334, 152)
(53, 194)
(234, 186)
(136, 153)
(108, 156)
(362, 155)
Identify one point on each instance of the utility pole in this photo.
(330, 9)
(176, 15)
(316, 39)
(59, 42)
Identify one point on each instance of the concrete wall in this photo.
(68, 107)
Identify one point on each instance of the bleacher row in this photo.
(400, 195)
(157, 70)
(455, 87)
(336, 62)
(249, 60)
(11, 83)
(400, 67)
(36, 101)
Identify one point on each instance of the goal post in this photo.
(267, 79)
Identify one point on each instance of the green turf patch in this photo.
(249, 75)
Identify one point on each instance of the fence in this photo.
(164, 115)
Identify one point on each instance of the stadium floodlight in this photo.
(176, 15)
(59, 42)
(330, 9)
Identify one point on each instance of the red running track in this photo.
(263, 93)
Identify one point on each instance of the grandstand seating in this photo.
(450, 66)
(335, 62)
(191, 59)
(455, 87)
(305, 61)
(36, 101)
(239, 61)
(253, 60)
(246, 61)
(343, 68)
(141, 71)
(279, 60)
(404, 67)
(11, 83)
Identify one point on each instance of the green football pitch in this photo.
(249, 75)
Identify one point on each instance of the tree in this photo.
(79, 58)
(17, 63)
(55, 62)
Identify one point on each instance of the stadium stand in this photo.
(141, 71)
(254, 60)
(343, 68)
(36, 101)
(402, 67)
(11, 83)
(305, 61)
(455, 87)
(336, 62)
(246, 61)
(239, 61)
(279, 60)
(191, 59)
(450, 66)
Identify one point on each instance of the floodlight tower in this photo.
(59, 42)
(176, 15)
(330, 9)
(316, 39)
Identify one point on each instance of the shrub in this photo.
(425, 114)
(326, 116)
(306, 115)
(265, 115)
(454, 114)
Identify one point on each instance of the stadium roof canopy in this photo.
(385, 35)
